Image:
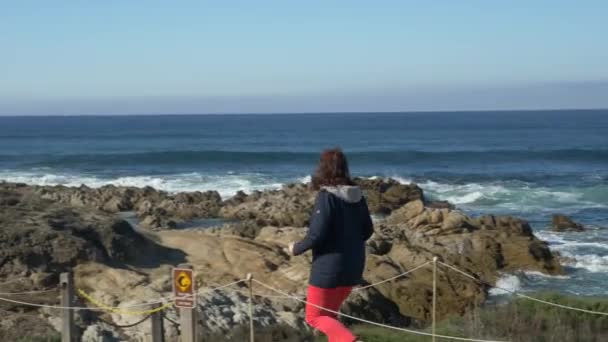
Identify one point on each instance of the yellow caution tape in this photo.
(121, 311)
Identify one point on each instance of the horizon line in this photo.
(313, 113)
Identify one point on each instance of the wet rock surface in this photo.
(562, 223)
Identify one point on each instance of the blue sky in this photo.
(130, 57)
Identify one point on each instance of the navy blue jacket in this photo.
(338, 229)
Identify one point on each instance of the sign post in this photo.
(185, 300)
(67, 294)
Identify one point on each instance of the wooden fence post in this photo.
(434, 295)
(187, 317)
(66, 282)
(250, 283)
(158, 331)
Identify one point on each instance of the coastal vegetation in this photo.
(518, 320)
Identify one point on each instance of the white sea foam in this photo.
(227, 185)
(399, 179)
(501, 197)
(508, 282)
(513, 196)
(465, 193)
(543, 275)
(591, 262)
(305, 179)
(560, 242)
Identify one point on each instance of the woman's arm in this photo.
(368, 224)
(320, 223)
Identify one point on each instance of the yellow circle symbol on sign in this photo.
(183, 281)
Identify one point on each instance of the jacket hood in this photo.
(348, 193)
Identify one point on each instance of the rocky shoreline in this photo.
(46, 230)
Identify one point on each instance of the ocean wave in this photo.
(591, 262)
(509, 282)
(516, 196)
(543, 275)
(580, 253)
(227, 185)
(570, 241)
(395, 158)
(305, 179)
(500, 197)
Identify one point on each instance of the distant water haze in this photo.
(560, 95)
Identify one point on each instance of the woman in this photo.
(339, 226)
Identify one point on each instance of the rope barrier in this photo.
(49, 306)
(15, 281)
(371, 322)
(167, 302)
(220, 287)
(28, 292)
(246, 293)
(170, 320)
(120, 310)
(119, 326)
(523, 295)
(355, 289)
(105, 307)
(392, 278)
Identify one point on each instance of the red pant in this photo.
(325, 321)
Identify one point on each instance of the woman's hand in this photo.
(290, 248)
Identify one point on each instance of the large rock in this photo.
(562, 223)
(166, 208)
(17, 326)
(385, 195)
(38, 235)
(221, 257)
(291, 205)
(483, 247)
(40, 238)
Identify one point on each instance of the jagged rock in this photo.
(144, 201)
(372, 305)
(481, 246)
(99, 332)
(22, 326)
(440, 205)
(157, 221)
(291, 205)
(562, 223)
(245, 229)
(385, 195)
(40, 238)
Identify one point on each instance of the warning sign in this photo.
(183, 288)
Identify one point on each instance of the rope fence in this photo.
(170, 320)
(28, 292)
(125, 326)
(160, 305)
(519, 294)
(368, 321)
(120, 310)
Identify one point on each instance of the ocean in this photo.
(529, 164)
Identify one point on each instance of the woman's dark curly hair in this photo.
(332, 170)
